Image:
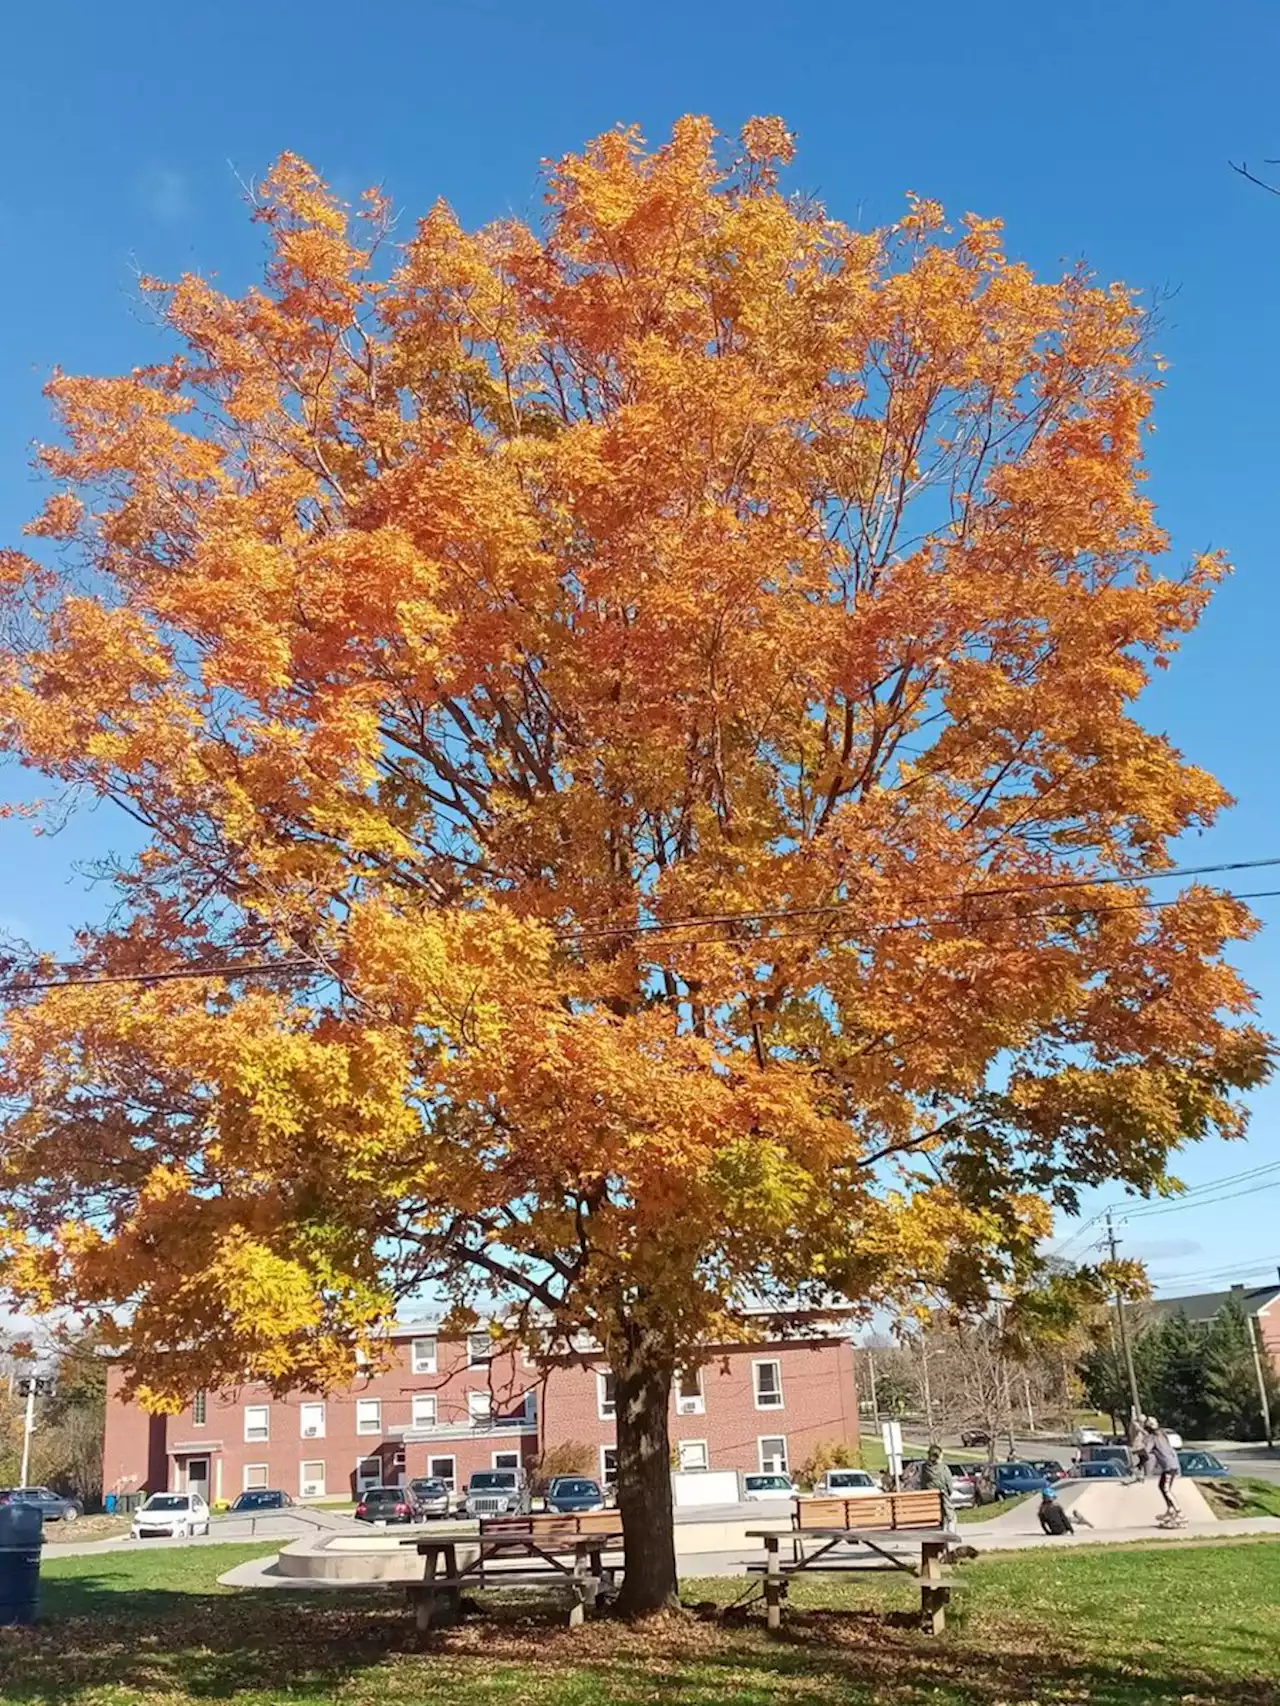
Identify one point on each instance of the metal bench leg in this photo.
(773, 1586)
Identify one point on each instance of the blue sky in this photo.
(1097, 130)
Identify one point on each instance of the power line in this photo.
(23, 985)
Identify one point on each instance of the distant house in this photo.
(1261, 1301)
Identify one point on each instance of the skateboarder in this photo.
(1164, 1460)
(1053, 1519)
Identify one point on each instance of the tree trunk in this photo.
(643, 1375)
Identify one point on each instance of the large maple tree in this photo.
(634, 722)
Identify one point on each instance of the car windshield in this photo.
(1016, 1469)
(570, 1489)
(764, 1483)
(382, 1495)
(501, 1480)
(430, 1489)
(167, 1502)
(248, 1501)
(849, 1478)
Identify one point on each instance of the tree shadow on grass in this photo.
(262, 1646)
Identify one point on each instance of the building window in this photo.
(311, 1480)
(609, 1465)
(773, 1456)
(479, 1350)
(423, 1355)
(368, 1473)
(768, 1383)
(506, 1460)
(689, 1399)
(311, 1421)
(368, 1415)
(199, 1407)
(444, 1469)
(255, 1476)
(607, 1395)
(257, 1421)
(693, 1455)
(398, 1468)
(479, 1406)
(424, 1409)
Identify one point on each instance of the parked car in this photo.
(388, 1504)
(1088, 1436)
(262, 1499)
(1201, 1466)
(53, 1507)
(756, 1487)
(1123, 1455)
(1050, 1468)
(498, 1492)
(1103, 1469)
(964, 1492)
(847, 1484)
(432, 1494)
(574, 1493)
(974, 1439)
(1007, 1481)
(174, 1515)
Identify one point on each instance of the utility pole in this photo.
(1262, 1379)
(871, 1375)
(1135, 1402)
(928, 1396)
(28, 1426)
(1031, 1409)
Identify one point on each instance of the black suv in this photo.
(262, 1499)
(52, 1506)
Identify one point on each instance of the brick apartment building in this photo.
(450, 1404)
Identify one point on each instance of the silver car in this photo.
(498, 1492)
(432, 1495)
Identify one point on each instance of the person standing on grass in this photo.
(935, 1477)
(1164, 1460)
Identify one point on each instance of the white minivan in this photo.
(175, 1515)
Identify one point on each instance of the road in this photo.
(1241, 1459)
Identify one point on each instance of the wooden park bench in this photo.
(566, 1549)
(886, 1524)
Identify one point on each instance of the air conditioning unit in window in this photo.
(311, 1432)
(688, 1406)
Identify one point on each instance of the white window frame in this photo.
(486, 1356)
(199, 1408)
(690, 1403)
(423, 1362)
(495, 1463)
(773, 1400)
(607, 1407)
(363, 1481)
(362, 1425)
(696, 1469)
(248, 1486)
(251, 1434)
(420, 1401)
(317, 1425)
(451, 1479)
(479, 1405)
(608, 1477)
(317, 1481)
(772, 1466)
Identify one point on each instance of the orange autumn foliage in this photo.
(640, 680)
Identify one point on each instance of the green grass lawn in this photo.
(1163, 1626)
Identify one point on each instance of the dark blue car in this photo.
(1202, 1466)
(574, 1493)
(1008, 1481)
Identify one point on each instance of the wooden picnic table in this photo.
(933, 1544)
(558, 1555)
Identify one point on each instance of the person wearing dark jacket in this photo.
(1053, 1519)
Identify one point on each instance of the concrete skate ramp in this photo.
(1106, 1504)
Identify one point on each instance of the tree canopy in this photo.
(637, 719)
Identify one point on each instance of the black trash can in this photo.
(21, 1537)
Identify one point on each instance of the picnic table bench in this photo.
(885, 1524)
(568, 1549)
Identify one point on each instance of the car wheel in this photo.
(70, 1514)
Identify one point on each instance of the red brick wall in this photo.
(133, 1445)
(1269, 1331)
(819, 1404)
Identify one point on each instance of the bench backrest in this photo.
(553, 1524)
(883, 1510)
